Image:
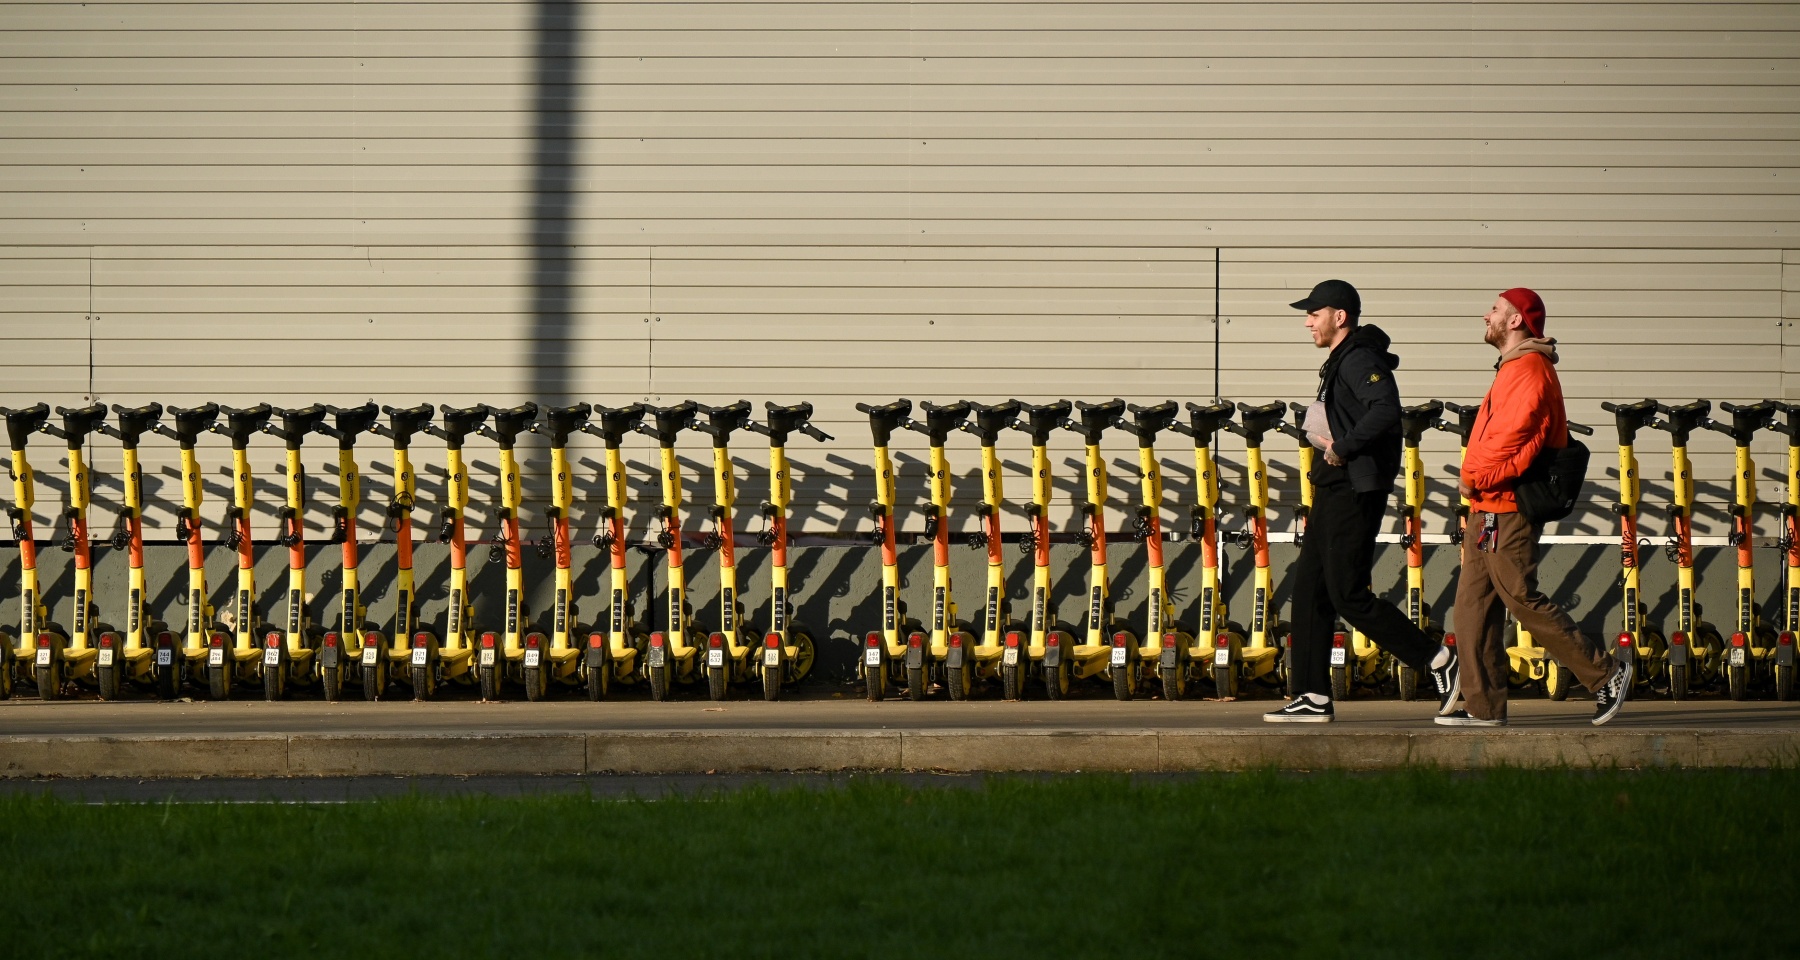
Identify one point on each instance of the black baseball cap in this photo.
(1337, 294)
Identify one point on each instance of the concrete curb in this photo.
(697, 751)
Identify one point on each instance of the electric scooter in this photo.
(884, 650)
(1218, 641)
(1161, 630)
(289, 656)
(728, 655)
(367, 648)
(504, 426)
(236, 657)
(1750, 657)
(454, 661)
(928, 653)
(1028, 653)
(673, 656)
(1695, 646)
(188, 658)
(134, 655)
(788, 648)
(1414, 421)
(412, 653)
(74, 660)
(1640, 643)
(1096, 655)
(37, 649)
(1260, 658)
(558, 658)
(1789, 543)
(983, 660)
(617, 653)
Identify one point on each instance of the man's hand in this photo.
(1464, 490)
(1331, 456)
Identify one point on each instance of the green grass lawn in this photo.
(1416, 863)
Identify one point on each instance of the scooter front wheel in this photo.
(1557, 681)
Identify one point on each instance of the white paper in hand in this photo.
(1318, 426)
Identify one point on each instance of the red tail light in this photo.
(1337, 639)
(218, 639)
(1738, 640)
(1449, 639)
(273, 639)
(1786, 639)
(1168, 641)
(874, 640)
(488, 640)
(1014, 640)
(46, 640)
(534, 640)
(1678, 638)
(596, 641)
(374, 638)
(915, 640)
(1121, 639)
(421, 639)
(1626, 639)
(956, 639)
(772, 641)
(715, 641)
(165, 640)
(106, 640)
(656, 639)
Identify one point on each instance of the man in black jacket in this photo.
(1355, 423)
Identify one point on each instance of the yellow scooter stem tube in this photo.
(725, 495)
(781, 493)
(191, 495)
(243, 497)
(1150, 475)
(510, 494)
(456, 628)
(1097, 583)
(890, 556)
(404, 487)
(941, 610)
(618, 632)
(671, 487)
(82, 624)
(31, 608)
(296, 534)
(994, 496)
(562, 494)
(1040, 532)
(350, 498)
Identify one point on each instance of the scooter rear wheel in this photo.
(599, 681)
(1124, 681)
(374, 682)
(1174, 682)
(537, 684)
(331, 681)
(218, 683)
(421, 682)
(806, 653)
(1225, 681)
(716, 686)
(875, 679)
(1784, 682)
(960, 682)
(1737, 681)
(1340, 683)
(1056, 680)
(49, 680)
(275, 682)
(915, 683)
(108, 680)
(490, 682)
(659, 682)
(167, 681)
(1678, 682)
(1407, 679)
(1012, 686)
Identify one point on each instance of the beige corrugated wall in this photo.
(839, 201)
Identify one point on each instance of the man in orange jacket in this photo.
(1521, 417)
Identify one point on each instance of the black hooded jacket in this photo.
(1362, 404)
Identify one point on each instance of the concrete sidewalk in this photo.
(311, 739)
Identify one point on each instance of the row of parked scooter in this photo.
(219, 650)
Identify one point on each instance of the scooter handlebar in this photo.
(25, 421)
(403, 423)
(134, 422)
(1041, 419)
(817, 434)
(1581, 428)
(190, 423)
(77, 423)
(352, 422)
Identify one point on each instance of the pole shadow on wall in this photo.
(555, 65)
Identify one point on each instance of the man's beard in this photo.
(1491, 337)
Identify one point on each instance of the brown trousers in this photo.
(1501, 575)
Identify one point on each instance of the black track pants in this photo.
(1331, 580)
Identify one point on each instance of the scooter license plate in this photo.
(217, 657)
(1010, 657)
(272, 657)
(1337, 656)
(1222, 657)
(1118, 656)
(487, 658)
(715, 658)
(873, 657)
(532, 657)
(771, 658)
(105, 658)
(43, 656)
(657, 655)
(418, 659)
(1737, 656)
(165, 658)
(370, 655)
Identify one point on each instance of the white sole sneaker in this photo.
(1462, 719)
(1295, 718)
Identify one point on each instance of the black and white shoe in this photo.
(1461, 718)
(1611, 695)
(1305, 708)
(1449, 682)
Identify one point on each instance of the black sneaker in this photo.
(1611, 695)
(1305, 708)
(1461, 718)
(1449, 683)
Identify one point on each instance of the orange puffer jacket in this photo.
(1520, 416)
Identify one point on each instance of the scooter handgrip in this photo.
(864, 408)
(1581, 428)
(816, 433)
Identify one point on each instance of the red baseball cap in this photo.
(1530, 306)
